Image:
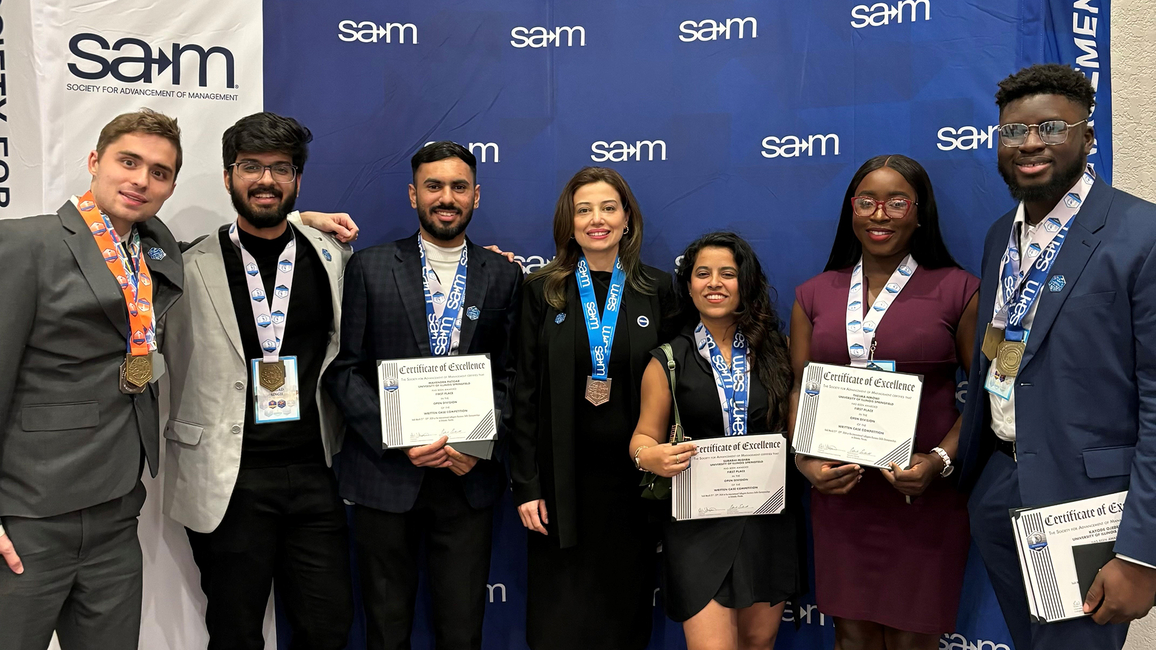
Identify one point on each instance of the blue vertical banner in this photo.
(745, 115)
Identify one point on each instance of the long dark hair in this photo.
(557, 273)
(757, 318)
(927, 245)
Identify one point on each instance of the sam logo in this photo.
(538, 37)
(967, 138)
(712, 30)
(808, 615)
(959, 642)
(532, 263)
(484, 151)
(139, 62)
(792, 146)
(368, 31)
(620, 151)
(880, 14)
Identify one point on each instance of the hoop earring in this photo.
(626, 230)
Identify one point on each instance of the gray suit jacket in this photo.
(69, 439)
(210, 383)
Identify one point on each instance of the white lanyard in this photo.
(269, 318)
(861, 323)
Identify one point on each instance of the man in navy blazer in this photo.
(1077, 418)
(434, 494)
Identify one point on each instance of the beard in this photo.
(439, 230)
(262, 217)
(1061, 181)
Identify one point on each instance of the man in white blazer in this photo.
(251, 434)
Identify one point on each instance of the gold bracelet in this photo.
(637, 462)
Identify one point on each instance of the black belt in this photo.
(1006, 447)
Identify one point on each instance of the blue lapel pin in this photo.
(472, 313)
(325, 252)
(1056, 284)
(559, 318)
(643, 321)
(156, 253)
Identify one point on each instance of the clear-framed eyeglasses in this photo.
(252, 171)
(1052, 132)
(895, 207)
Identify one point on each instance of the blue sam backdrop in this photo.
(738, 114)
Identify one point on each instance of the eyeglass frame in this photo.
(882, 205)
(1067, 127)
(263, 169)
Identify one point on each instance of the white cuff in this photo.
(1122, 557)
(2, 533)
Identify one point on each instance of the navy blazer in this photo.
(1086, 389)
(384, 317)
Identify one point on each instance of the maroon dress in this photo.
(877, 558)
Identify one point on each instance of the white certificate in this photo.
(733, 477)
(1061, 548)
(426, 398)
(857, 415)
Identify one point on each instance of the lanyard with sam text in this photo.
(270, 315)
(600, 331)
(137, 287)
(733, 382)
(862, 323)
(443, 311)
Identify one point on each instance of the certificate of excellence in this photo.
(732, 477)
(857, 415)
(426, 398)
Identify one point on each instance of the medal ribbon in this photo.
(131, 273)
(1019, 287)
(600, 331)
(443, 311)
(270, 315)
(861, 324)
(733, 382)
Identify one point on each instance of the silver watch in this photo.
(947, 466)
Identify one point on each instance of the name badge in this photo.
(280, 405)
(877, 364)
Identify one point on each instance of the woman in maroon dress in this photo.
(890, 545)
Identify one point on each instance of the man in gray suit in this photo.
(251, 434)
(84, 290)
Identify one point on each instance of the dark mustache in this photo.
(445, 207)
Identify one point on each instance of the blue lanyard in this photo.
(442, 326)
(600, 331)
(1019, 297)
(733, 382)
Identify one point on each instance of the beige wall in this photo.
(1134, 167)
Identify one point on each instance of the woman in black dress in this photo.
(591, 547)
(727, 579)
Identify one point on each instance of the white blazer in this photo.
(209, 382)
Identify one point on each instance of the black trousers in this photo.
(284, 525)
(82, 577)
(457, 539)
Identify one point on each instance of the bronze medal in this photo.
(1008, 358)
(992, 337)
(597, 391)
(136, 373)
(271, 375)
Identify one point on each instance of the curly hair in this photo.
(1047, 79)
(757, 319)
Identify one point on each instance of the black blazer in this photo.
(383, 317)
(542, 440)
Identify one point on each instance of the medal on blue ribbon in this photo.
(444, 313)
(732, 381)
(600, 330)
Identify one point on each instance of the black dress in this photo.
(737, 561)
(597, 591)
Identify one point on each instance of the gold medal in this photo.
(271, 375)
(992, 337)
(1008, 358)
(597, 391)
(136, 373)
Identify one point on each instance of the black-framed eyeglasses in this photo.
(895, 207)
(1052, 132)
(251, 171)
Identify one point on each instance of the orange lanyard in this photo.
(138, 290)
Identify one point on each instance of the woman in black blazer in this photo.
(591, 545)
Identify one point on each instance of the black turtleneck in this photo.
(307, 331)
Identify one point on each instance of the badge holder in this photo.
(282, 404)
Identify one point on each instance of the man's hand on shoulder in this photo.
(1122, 591)
(510, 257)
(340, 224)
